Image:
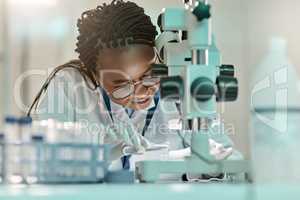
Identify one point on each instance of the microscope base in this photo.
(150, 171)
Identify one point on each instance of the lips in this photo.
(141, 101)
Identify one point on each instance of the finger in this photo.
(134, 137)
(126, 137)
(224, 155)
(121, 133)
(228, 152)
(149, 146)
(144, 142)
(180, 154)
(129, 150)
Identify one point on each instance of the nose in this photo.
(140, 91)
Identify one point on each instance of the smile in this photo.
(141, 101)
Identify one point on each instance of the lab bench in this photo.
(150, 192)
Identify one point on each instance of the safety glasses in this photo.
(128, 89)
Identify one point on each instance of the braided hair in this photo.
(115, 25)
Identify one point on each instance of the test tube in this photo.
(52, 135)
(81, 153)
(26, 148)
(25, 129)
(34, 171)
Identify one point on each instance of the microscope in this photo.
(193, 76)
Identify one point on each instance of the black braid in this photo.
(88, 77)
(113, 25)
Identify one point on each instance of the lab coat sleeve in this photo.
(59, 100)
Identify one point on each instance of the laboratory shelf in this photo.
(150, 192)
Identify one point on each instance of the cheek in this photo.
(155, 89)
(107, 85)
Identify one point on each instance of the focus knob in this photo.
(227, 70)
(171, 88)
(202, 89)
(159, 22)
(227, 88)
(202, 11)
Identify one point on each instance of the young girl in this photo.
(111, 83)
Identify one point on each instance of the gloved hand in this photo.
(217, 150)
(150, 146)
(125, 135)
(131, 141)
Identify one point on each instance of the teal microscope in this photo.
(192, 75)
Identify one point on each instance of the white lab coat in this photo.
(69, 99)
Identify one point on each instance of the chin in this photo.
(141, 106)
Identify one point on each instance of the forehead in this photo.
(131, 62)
(109, 58)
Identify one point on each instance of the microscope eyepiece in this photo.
(159, 70)
(171, 88)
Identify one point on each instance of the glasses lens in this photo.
(151, 81)
(123, 92)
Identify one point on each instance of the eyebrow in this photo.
(120, 81)
(152, 61)
(148, 70)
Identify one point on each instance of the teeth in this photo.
(139, 101)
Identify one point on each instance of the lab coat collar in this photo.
(137, 118)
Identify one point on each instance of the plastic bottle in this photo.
(33, 172)
(12, 133)
(12, 151)
(275, 119)
(52, 135)
(25, 124)
(26, 153)
(38, 128)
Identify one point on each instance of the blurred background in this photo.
(41, 34)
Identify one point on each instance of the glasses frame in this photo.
(134, 83)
